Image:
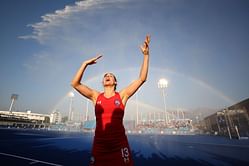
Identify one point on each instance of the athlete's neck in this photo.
(109, 92)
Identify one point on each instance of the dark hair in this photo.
(114, 79)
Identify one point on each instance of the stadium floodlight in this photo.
(71, 94)
(163, 84)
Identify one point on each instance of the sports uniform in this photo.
(110, 145)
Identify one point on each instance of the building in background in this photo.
(55, 117)
(24, 119)
(232, 121)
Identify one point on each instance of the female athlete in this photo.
(110, 144)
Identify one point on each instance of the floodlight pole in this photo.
(137, 121)
(87, 109)
(165, 106)
(71, 96)
(163, 84)
(13, 98)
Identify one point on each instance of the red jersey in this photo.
(110, 146)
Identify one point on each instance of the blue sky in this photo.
(200, 46)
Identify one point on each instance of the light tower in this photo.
(13, 99)
(163, 84)
(87, 110)
(137, 118)
(71, 96)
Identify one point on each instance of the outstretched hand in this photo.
(93, 60)
(145, 47)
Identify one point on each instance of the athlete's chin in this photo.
(108, 84)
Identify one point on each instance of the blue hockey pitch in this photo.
(38, 147)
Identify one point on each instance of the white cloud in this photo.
(78, 30)
(41, 30)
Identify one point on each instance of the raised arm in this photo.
(127, 92)
(81, 88)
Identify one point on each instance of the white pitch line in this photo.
(25, 158)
